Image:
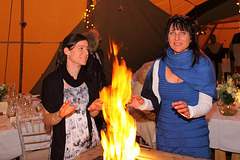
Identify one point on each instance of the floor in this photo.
(37, 155)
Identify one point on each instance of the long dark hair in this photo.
(70, 41)
(184, 23)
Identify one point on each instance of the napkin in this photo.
(3, 107)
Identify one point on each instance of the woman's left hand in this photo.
(96, 105)
(182, 108)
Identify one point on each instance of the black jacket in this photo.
(52, 99)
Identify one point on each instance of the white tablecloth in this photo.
(224, 130)
(10, 144)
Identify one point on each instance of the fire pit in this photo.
(145, 154)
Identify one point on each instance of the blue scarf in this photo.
(201, 76)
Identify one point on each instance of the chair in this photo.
(145, 120)
(33, 136)
(146, 134)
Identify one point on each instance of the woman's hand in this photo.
(135, 101)
(96, 105)
(182, 108)
(66, 109)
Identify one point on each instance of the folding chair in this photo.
(33, 135)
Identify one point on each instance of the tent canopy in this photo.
(139, 27)
(177, 6)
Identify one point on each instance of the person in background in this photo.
(180, 87)
(67, 93)
(94, 39)
(235, 50)
(232, 58)
(145, 119)
(214, 51)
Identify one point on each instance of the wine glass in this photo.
(39, 109)
(11, 110)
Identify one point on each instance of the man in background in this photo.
(94, 39)
(214, 52)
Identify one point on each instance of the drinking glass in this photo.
(11, 110)
(39, 109)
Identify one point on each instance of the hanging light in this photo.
(88, 15)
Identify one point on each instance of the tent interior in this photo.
(36, 28)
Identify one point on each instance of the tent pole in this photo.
(9, 31)
(170, 7)
(21, 46)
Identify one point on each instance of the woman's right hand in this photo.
(66, 109)
(135, 101)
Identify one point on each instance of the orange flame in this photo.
(118, 141)
(114, 48)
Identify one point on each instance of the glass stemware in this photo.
(39, 109)
(11, 112)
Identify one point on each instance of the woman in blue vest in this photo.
(180, 87)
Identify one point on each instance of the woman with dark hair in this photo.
(67, 93)
(180, 88)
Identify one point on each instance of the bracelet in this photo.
(53, 118)
(58, 114)
(54, 115)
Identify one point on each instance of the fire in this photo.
(118, 141)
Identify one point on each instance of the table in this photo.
(145, 153)
(9, 138)
(224, 133)
(10, 144)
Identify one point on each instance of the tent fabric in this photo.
(138, 27)
(226, 18)
(224, 31)
(48, 22)
(217, 11)
(177, 6)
